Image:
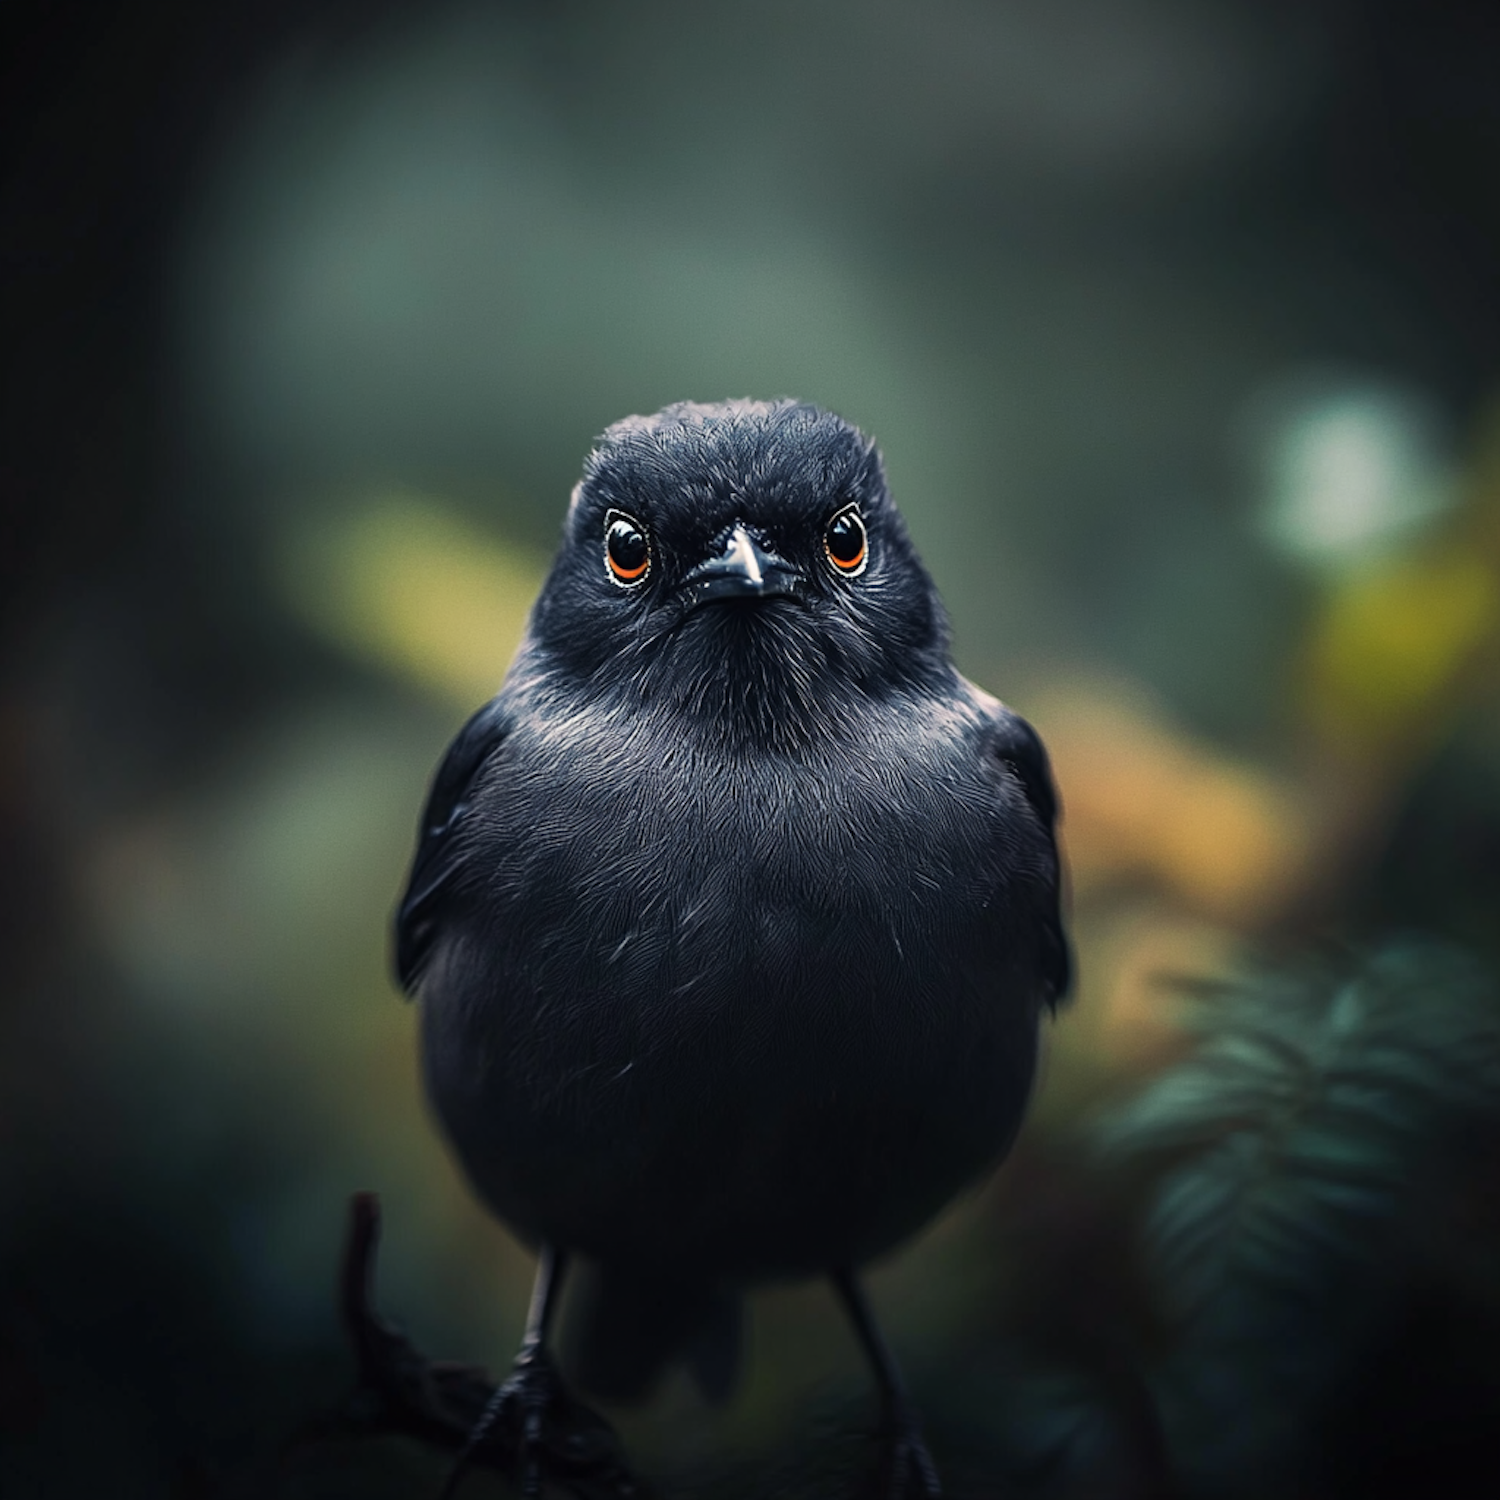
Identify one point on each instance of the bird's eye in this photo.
(626, 549)
(846, 542)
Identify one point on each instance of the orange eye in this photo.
(626, 550)
(846, 542)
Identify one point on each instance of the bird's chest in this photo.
(677, 972)
(668, 886)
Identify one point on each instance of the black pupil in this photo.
(846, 539)
(627, 547)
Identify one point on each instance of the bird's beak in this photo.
(743, 570)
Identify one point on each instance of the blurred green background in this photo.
(1177, 326)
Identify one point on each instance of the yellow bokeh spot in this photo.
(1394, 640)
(409, 583)
(1141, 799)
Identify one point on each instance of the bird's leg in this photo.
(529, 1424)
(907, 1471)
(533, 1418)
(533, 1386)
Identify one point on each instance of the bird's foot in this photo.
(538, 1432)
(906, 1470)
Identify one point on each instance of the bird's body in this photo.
(702, 1017)
(735, 912)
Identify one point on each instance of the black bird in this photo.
(733, 915)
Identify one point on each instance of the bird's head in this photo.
(741, 563)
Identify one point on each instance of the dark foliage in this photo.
(1315, 1175)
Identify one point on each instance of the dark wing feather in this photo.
(1019, 747)
(436, 861)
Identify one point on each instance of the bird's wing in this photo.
(1017, 745)
(438, 859)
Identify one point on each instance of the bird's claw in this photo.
(530, 1428)
(906, 1470)
(515, 1420)
(538, 1431)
